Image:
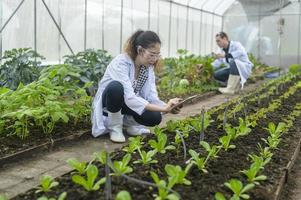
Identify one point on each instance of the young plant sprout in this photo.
(146, 157)
(134, 144)
(160, 144)
(121, 167)
(78, 166)
(46, 184)
(100, 157)
(164, 188)
(178, 174)
(89, 182)
(198, 161)
(238, 189)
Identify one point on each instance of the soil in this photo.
(220, 169)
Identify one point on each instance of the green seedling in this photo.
(100, 157)
(46, 184)
(89, 182)
(146, 157)
(121, 167)
(134, 144)
(176, 172)
(160, 144)
(164, 188)
(238, 189)
(198, 161)
(78, 166)
(225, 142)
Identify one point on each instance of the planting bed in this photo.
(279, 102)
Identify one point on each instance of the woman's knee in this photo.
(150, 118)
(115, 87)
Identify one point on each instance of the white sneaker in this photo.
(115, 126)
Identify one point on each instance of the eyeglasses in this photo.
(153, 54)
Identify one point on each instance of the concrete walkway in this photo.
(18, 177)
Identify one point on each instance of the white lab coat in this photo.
(241, 59)
(122, 69)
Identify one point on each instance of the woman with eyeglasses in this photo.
(127, 93)
(237, 68)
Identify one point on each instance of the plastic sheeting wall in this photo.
(104, 24)
(272, 37)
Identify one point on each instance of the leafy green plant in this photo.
(211, 150)
(243, 128)
(100, 156)
(200, 162)
(46, 184)
(225, 142)
(123, 195)
(121, 167)
(134, 144)
(80, 167)
(265, 152)
(164, 188)
(89, 182)
(177, 173)
(275, 133)
(61, 197)
(160, 144)
(19, 66)
(92, 63)
(238, 189)
(252, 172)
(295, 68)
(146, 157)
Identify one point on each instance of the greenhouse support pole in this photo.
(213, 21)
(158, 20)
(148, 12)
(178, 26)
(85, 27)
(11, 16)
(121, 21)
(35, 26)
(103, 25)
(187, 22)
(201, 24)
(202, 11)
(57, 26)
(169, 28)
(299, 33)
(60, 25)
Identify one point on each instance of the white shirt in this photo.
(122, 69)
(241, 59)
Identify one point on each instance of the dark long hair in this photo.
(146, 39)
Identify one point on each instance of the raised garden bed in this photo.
(280, 105)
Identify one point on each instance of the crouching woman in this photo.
(127, 94)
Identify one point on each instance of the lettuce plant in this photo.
(160, 144)
(198, 161)
(238, 189)
(134, 144)
(80, 167)
(164, 188)
(100, 157)
(61, 197)
(146, 157)
(177, 173)
(46, 184)
(123, 195)
(89, 182)
(121, 167)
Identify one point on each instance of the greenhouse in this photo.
(150, 99)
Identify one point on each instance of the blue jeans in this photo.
(223, 74)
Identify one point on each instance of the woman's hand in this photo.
(171, 103)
